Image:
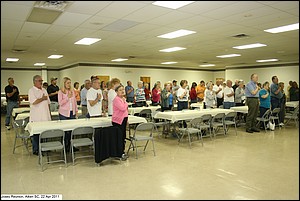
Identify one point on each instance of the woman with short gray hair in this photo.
(239, 94)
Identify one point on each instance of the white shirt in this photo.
(180, 92)
(226, 91)
(216, 88)
(40, 111)
(92, 94)
(111, 96)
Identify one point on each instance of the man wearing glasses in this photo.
(39, 107)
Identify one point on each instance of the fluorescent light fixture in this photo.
(87, 41)
(176, 34)
(290, 27)
(266, 60)
(255, 45)
(207, 65)
(229, 55)
(172, 4)
(12, 59)
(119, 59)
(172, 49)
(55, 56)
(169, 62)
(39, 64)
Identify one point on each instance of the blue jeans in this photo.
(9, 108)
(67, 133)
(228, 105)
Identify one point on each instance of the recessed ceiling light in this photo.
(290, 27)
(255, 45)
(207, 65)
(169, 62)
(39, 64)
(87, 41)
(172, 49)
(229, 55)
(12, 59)
(176, 34)
(119, 59)
(55, 56)
(266, 60)
(172, 4)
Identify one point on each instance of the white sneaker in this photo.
(8, 127)
(281, 124)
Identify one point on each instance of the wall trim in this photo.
(290, 64)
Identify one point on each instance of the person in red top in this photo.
(156, 91)
(193, 94)
(147, 91)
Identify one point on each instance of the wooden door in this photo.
(146, 80)
(104, 78)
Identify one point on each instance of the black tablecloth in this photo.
(108, 143)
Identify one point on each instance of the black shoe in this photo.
(255, 129)
(36, 153)
(249, 130)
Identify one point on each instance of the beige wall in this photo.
(84, 72)
(23, 78)
(284, 74)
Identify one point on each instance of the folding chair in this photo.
(147, 113)
(294, 115)
(140, 134)
(206, 124)
(230, 119)
(20, 133)
(193, 129)
(82, 137)
(275, 115)
(265, 119)
(52, 140)
(218, 121)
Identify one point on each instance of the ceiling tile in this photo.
(71, 19)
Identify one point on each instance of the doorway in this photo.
(146, 80)
(104, 78)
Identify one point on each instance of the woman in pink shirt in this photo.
(67, 106)
(67, 101)
(120, 114)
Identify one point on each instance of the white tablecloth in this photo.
(20, 110)
(24, 115)
(241, 109)
(133, 110)
(67, 125)
(174, 116)
(293, 104)
(24, 103)
(198, 105)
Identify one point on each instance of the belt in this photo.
(252, 97)
(84, 105)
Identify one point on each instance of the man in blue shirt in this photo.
(251, 93)
(276, 96)
(129, 92)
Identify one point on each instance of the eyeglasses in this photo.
(39, 80)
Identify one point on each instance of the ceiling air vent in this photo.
(241, 35)
(46, 11)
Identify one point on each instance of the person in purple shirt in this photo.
(252, 94)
